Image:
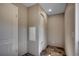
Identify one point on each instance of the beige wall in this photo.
(33, 21)
(36, 20)
(22, 29)
(70, 29)
(33, 15)
(56, 30)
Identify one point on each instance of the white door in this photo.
(42, 33)
(8, 30)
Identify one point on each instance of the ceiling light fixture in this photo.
(50, 10)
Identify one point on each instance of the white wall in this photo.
(8, 30)
(70, 29)
(77, 30)
(22, 29)
(56, 30)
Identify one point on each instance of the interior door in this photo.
(8, 30)
(42, 33)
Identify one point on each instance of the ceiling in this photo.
(29, 4)
(56, 8)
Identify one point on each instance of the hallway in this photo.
(37, 29)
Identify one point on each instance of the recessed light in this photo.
(50, 10)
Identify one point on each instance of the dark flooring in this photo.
(53, 51)
(28, 54)
(50, 50)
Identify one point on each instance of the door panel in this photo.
(42, 33)
(8, 30)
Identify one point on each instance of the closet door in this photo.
(70, 30)
(8, 30)
(42, 33)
